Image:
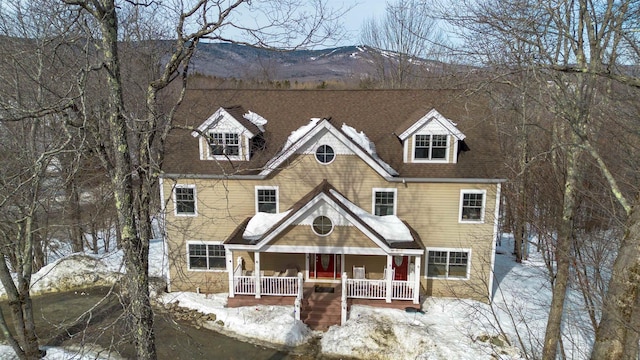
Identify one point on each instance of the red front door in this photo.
(400, 267)
(327, 266)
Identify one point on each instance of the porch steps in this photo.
(250, 300)
(321, 310)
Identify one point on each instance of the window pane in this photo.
(267, 200)
(232, 150)
(436, 270)
(384, 203)
(197, 256)
(458, 271)
(322, 225)
(217, 258)
(422, 146)
(216, 143)
(232, 144)
(185, 200)
(437, 266)
(325, 154)
(458, 264)
(438, 146)
(472, 206)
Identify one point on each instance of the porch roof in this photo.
(407, 238)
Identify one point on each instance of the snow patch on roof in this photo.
(390, 227)
(300, 132)
(256, 119)
(260, 223)
(361, 139)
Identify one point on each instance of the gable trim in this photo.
(330, 202)
(324, 124)
(433, 114)
(220, 114)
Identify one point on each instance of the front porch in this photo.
(320, 294)
(321, 305)
(278, 274)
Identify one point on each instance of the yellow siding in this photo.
(374, 265)
(303, 235)
(431, 209)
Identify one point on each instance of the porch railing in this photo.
(377, 289)
(244, 285)
(279, 286)
(366, 289)
(402, 290)
(269, 285)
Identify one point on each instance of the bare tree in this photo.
(131, 138)
(580, 48)
(403, 39)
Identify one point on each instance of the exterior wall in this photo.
(272, 263)
(340, 236)
(373, 264)
(431, 209)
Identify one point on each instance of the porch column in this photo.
(256, 272)
(389, 278)
(229, 259)
(416, 280)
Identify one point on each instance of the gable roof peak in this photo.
(357, 142)
(432, 115)
(250, 121)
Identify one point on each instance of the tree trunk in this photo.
(136, 252)
(622, 296)
(563, 257)
(25, 341)
(74, 217)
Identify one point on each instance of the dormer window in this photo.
(224, 144)
(431, 139)
(231, 133)
(430, 147)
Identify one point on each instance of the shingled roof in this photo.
(381, 114)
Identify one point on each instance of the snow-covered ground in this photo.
(445, 329)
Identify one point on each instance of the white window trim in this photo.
(436, 161)
(333, 226)
(241, 146)
(315, 154)
(195, 199)
(395, 199)
(276, 188)
(448, 250)
(202, 242)
(482, 211)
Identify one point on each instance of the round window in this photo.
(325, 154)
(322, 225)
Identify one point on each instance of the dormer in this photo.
(231, 133)
(432, 139)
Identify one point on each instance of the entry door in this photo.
(400, 267)
(327, 266)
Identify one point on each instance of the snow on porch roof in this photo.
(389, 229)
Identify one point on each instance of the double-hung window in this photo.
(267, 199)
(472, 204)
(206, 256)
(224, 144)
(448, 264)
(430, 147)
(384, 201)
(185, 200)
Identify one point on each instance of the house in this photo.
(380, 195)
